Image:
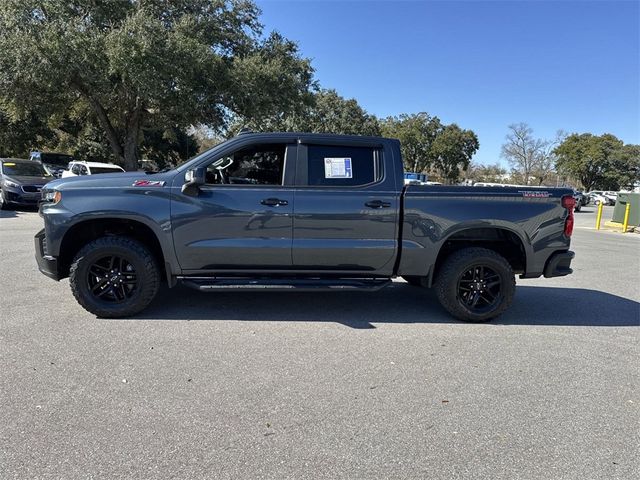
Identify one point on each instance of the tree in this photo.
(167, 147)
(528, 156)
(545, 165)
(494, 173)
(19, 136)
(599, 161)
(430, 146)
(625, 168)
(323, 112)
(416, 133)
(452, 150)
(152, 64)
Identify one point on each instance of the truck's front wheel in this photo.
(475, 284)
(114, 277)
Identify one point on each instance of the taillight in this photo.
(569, 203)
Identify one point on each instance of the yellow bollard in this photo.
(599, 217)
(626, 217)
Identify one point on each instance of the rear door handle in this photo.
(274, 202)
(377, 204)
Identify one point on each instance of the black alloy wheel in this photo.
(479, 289)
(475, 284)
(112, 279)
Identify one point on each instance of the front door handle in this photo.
(274, 202)
(377, 204)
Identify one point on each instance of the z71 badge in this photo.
(148, 183)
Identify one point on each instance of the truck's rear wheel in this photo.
(114, 277)
(475, 284)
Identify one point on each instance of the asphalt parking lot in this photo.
(286, 385)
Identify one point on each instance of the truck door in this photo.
(346, 212)
(242, 217)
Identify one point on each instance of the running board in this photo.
(205, 284)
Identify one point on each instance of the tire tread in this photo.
(149, 276)
(446, 283)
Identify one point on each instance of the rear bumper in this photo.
(47, 264)
(559, 264)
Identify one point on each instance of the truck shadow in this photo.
(17, 211)
(399, 303)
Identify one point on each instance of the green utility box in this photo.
(634, 212)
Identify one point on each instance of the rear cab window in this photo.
(342, 166)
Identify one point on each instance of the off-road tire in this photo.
(147, 275)
(462, 261)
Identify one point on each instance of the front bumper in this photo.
(17, 197)
(47, 264)
(559, 264)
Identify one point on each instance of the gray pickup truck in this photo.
(298, 212)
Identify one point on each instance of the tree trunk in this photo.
(131, 139)
(103, 118)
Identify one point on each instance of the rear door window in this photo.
(343, 166)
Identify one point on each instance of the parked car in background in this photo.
(414, 178)
(21, 182)
(597, 198)
(583, 197)
(578, 196)
(90, 168)
(612, 196)
(53, 163)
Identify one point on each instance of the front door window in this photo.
(255, 165)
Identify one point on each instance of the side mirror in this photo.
(193, 179)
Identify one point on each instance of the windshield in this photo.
(207, 153)
(57, 159)
(96, 170)
(30, 169)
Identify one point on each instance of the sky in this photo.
(570, 65)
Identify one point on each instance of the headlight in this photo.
(53, 196)
(11, 184)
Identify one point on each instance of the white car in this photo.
(598, 198)
(90, 168)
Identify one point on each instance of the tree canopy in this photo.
(599, 161)
(324, 111)
(494, 173)
(452, 150)
(153, 64)
(430, 146)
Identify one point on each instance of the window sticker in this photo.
(337, 168)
